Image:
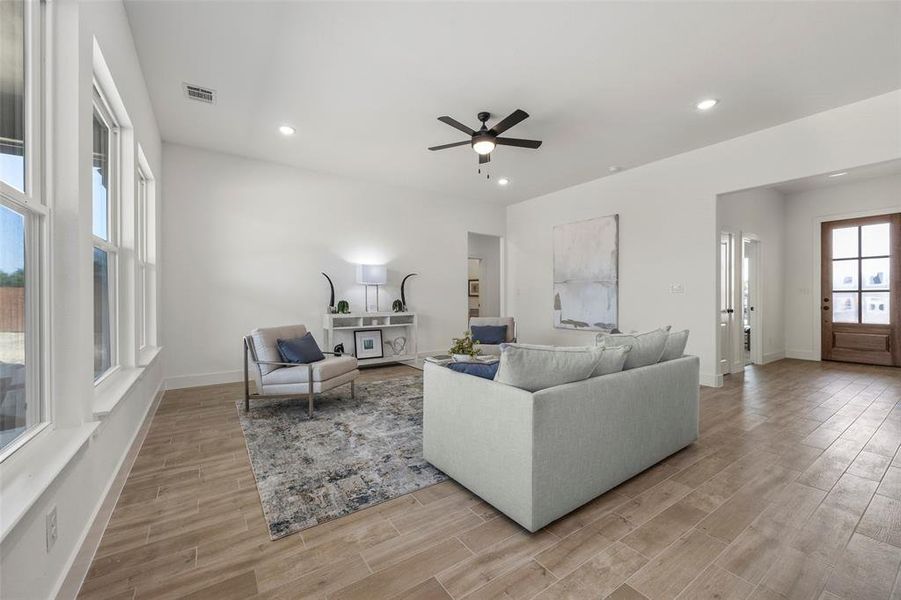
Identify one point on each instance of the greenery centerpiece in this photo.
(465, 349)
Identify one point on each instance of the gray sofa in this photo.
(538, 456)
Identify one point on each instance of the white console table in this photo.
(339, 328)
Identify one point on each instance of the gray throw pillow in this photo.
(675, 345)
(645, 348)
(534, 368)
(613, 359)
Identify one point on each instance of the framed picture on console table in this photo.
(368, 343)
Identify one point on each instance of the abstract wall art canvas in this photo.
(586, 274)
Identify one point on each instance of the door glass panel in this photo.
(876, 308)
(874, 240)
(844, 275)
(844, 307)
(875, 273)
(844, 242)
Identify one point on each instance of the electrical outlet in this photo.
(52, 528)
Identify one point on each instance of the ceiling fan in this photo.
(485, 140)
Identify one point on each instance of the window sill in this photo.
(113, 389)
(27, 475)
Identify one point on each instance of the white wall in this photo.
(86, 450)
(805, 211)
(759, 213)
(244, 242)
(668, 229)
(488, 249)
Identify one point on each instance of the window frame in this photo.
(145, 256)
(101, 109)
(31, 203)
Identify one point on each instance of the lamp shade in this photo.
(372, 274)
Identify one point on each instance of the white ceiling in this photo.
(606, 83)
(857, 174)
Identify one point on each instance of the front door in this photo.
(861, 281)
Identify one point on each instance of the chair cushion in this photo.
(265, 343)
(508, 321)
(489, 334)
(300, 350)
(329, 368)
(645, 348)
(486, 371)
(675, 345)
(534, 368)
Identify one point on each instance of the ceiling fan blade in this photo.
(483, 158)
(457, 125)
(454, 145)
(517, 142)
(512, 119)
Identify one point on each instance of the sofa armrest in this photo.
(479, 432)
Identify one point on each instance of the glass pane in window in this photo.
(844, 274)
(100, 179)
(102, 346)
(12, 93)
(875, 273)
(876, 308)
(844, 307)
(875, 240)
(844, 242)
(14, 416)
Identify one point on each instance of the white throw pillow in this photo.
(645, 348)
(675, 345)
(532, 368)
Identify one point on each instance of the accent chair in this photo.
(495, 349)
(274, 377)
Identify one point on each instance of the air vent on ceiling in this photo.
(201, 94)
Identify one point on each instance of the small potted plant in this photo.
(465, 349)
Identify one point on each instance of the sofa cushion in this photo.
(486, 371)
(613, 360)
(300, 350)
(265, 343)
(675, 345)
(489, 334)
(534, 368)
(645, 348)
(331, 367)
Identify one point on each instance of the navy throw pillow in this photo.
(489, 334)
(300, 350)
(487, 371)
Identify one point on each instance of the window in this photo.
(861, 259)
(104, 185)
(145, 255)
(22, 224)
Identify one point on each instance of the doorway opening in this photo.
(483, 275)
(752, 351)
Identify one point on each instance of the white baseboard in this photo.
(81, 561)
(711, 380)
(803, 355)
(773, 357)
(189, 381)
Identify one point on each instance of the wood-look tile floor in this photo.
(793, 491)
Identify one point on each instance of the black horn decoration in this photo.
(331, 301)
(403, 296)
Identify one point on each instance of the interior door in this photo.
(861, 280)
(727, 309)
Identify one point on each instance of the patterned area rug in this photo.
(353, 454)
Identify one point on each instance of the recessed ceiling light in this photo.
(286, 130)
(503, 181)
(614, 169)
(707, 104)
(839, 174)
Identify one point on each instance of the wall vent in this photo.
(201, 94)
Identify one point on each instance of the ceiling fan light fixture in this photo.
(503, 181)
(483, 144)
